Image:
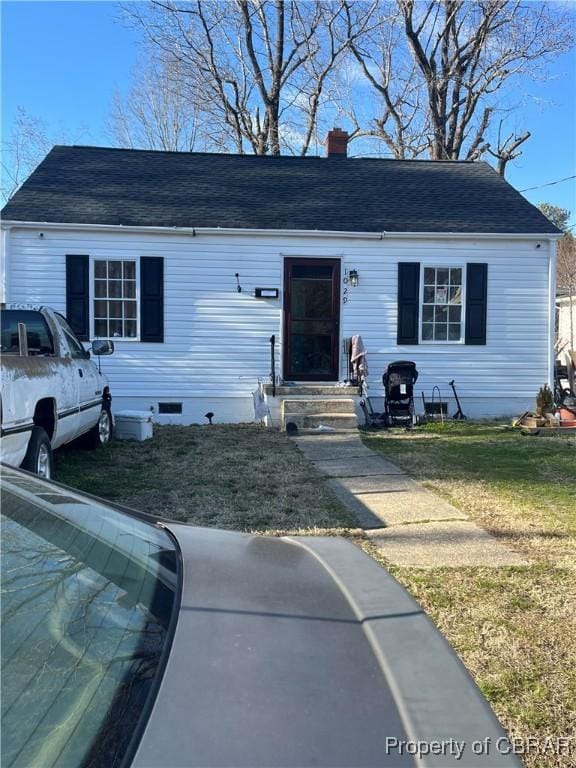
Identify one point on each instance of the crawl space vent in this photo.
(169, 407)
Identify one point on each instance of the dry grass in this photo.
(514, 628)
(242, 477)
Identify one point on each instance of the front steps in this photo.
(310, 406)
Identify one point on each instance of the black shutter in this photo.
(152, 298)
(78, 295)
(408, 302)
(476, 300)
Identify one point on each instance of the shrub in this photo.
(544, 400)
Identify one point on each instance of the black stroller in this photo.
(398, 382)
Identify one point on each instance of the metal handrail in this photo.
(273, 364)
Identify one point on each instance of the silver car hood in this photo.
(304, 652)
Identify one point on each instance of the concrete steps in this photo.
(310, 390)
(310, 406)
(338, 421)
(319, 405)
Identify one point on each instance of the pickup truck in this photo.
(52, 392)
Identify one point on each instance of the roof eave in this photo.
(195, 231)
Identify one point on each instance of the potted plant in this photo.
(545, 403)
(568, 412)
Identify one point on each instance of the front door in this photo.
(311, 319)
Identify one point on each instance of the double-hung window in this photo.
(115, 298)
(442, 304)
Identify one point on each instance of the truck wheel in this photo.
(39, 457)
(101, 432)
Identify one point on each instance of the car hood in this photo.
(305, 652)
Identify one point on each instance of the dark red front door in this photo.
(311, 319)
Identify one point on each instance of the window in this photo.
(77, 351)
(87, 604)
(37, 332)
(115, 302)
(442, 302)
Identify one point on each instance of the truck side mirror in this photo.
(102, 347)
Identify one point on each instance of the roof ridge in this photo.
(251, 155)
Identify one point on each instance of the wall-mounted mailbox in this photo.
(266, 293)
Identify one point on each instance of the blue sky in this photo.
(62, 60)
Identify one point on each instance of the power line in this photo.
(549, 184)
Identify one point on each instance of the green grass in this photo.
(509, 473)
(514, 628)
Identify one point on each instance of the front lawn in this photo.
(521, 488)
(514, 628)
(243, 477)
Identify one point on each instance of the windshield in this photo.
(88, 595)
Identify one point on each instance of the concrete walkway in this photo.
(410, 525)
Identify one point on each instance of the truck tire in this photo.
(39, 458)
(101, 432)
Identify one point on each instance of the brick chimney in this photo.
(336, 143)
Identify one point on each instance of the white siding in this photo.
(566, 323)
(216, 339)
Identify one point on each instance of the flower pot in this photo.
(567, 417)
(533, 421)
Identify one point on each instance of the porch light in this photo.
(353, 276)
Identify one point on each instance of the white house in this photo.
(193, 261)
(566, 320)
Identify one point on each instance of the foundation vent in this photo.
(169, 407)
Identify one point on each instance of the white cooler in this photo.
(133, 425)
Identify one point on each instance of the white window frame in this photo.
(93, 297)
(442, 265)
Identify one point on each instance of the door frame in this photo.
(335, 262)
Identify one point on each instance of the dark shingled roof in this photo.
(96, 185)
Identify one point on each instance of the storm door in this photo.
(311, 319)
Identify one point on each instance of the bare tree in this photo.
(506, 149)
(257, 70)
(566, 264)
(157, 112)
(444, 69)
(565, 260)
(25, 146)
(393, 110)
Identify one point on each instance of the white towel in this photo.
(358, 357)
(261, 409)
